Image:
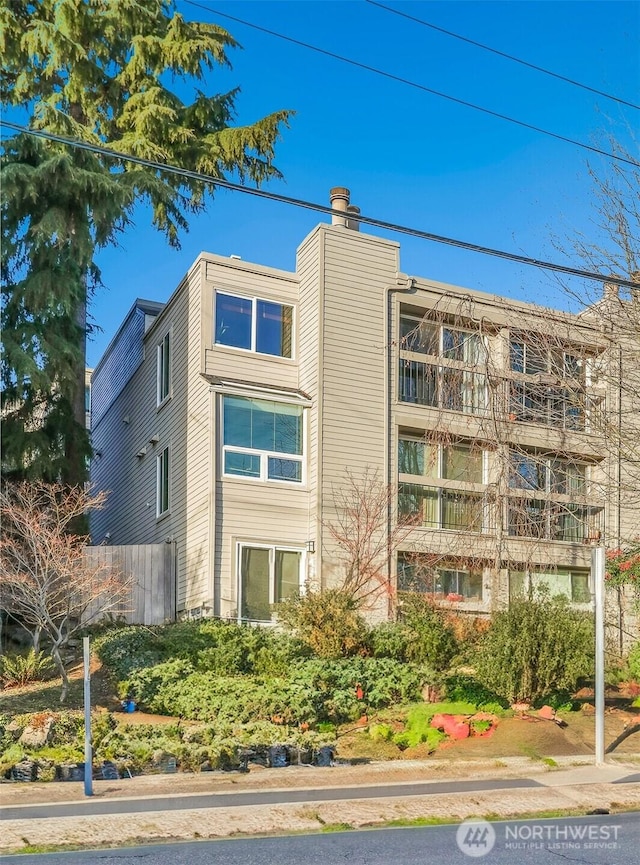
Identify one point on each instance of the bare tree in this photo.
(365, 535)
(47, 582)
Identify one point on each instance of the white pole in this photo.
(597, 573)
(88, 755)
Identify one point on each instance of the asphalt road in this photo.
(596, 840)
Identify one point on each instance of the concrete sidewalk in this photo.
(301, 798)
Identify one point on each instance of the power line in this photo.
(320, 208)
(502, 54)
(414, 84)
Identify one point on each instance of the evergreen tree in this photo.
(98, 71)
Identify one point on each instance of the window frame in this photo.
(437, 574)
(529, 582)
(163, 483)
(265, 455)
(163, 369)
(273, 548)
(469, 395)
(254, 300)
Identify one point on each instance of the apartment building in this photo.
(228, 419)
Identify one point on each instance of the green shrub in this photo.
(418, 729)
(276, 658)
(381, 732)
(634, 662)
(430, 639)
(10, 756)
(327, 621)
(146, 684)
(468, 689)
(389, 640)
(18, 669)
(535, 647)
(314, 690)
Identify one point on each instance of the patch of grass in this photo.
(337, 827)
(530, 752)
(420, 821)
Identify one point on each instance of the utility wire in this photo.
(502, 54)
(320, 208)
(414, 84)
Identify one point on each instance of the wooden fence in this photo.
(152, 574)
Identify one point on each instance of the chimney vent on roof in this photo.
(352, 220)
(339, 200)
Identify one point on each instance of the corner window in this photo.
(253, 324)
(573, 584)
(267, 575)
(262, 440)
(162, 483)
(164, 369)
(447, 583)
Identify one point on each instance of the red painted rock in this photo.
(454, 726)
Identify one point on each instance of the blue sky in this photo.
(407, 156)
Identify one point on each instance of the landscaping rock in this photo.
(278, 756)
(324, 756)
(15, 729)
(72, 772)
(109, 771)
(454, 726)
(547, 712)
(26, 770)
(37, 735)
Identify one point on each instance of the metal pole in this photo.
(88, 755)
(597, 573)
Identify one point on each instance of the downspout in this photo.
(408, 287)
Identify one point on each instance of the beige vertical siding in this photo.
(358, 270)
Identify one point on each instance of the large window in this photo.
(546, 473)
(533, 402)
(162, 483)
(267, 575)
(532, 357)
(573, 583)
(552, 521)
(262, 440)
(555, 395)
(455, 461)
(253, 324)
(549, 475)
(451, 384)
(439, 508)
(434, 506)
(416, 573)
(164, 369)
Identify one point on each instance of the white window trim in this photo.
(254, 327)
(160, 352)
(159, 483)
(264, 454)
(240, 545)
